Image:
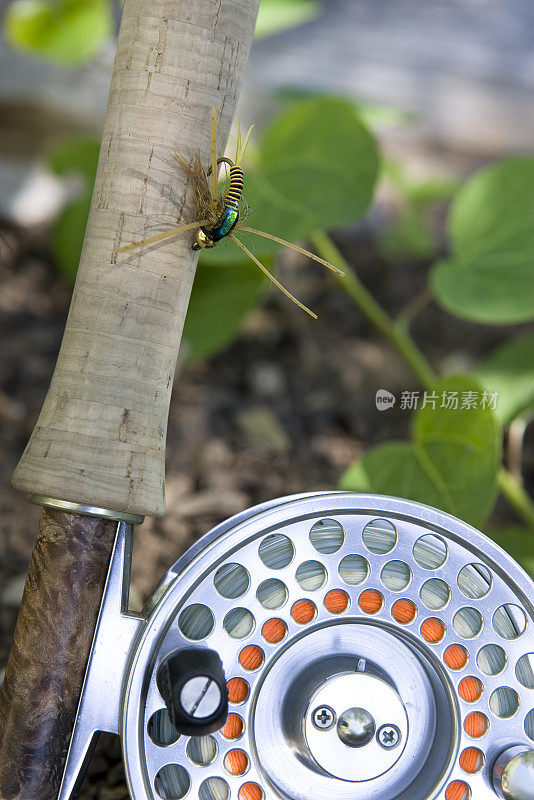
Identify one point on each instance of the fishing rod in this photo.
(324, 645)
(95, 460)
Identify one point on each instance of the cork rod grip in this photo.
(100, 438)
(46, 667)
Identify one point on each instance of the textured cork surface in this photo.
(100, 438)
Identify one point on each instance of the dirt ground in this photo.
(285, 409)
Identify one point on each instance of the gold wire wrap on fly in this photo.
(235, 190)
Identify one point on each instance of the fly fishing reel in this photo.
(329, 645)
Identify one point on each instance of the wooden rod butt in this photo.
(53, 637)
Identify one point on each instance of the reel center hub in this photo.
(331, 715)
(369, 726)
(356, 727)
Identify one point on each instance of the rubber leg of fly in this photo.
(272, 278)
(164, 235)
(213, 154)
(292, 247)
(242, 147)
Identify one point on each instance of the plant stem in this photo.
(514, 492)
(411, 309)
(399, 337)
(516, 435)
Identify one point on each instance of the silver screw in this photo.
(323, 717)
(388, 736)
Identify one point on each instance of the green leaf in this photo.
(420, 193)
(409, 236)
(434, 190)
(68, 235)
(66, 31)
(451, 462)
(518, 542)
(75, 156)
(463, 447)
(222, 296)
(509, 370)
(269, 211)
(273, 212)
(490, 274)
(379, 116)
(321, 156)
(374, 115)
(279, 15)
(395, 468)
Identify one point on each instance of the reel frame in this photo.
(139, 643)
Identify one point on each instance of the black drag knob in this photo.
(193, 686)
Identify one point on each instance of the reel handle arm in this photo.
(193, 686)
(513, 773)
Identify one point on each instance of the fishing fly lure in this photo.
(218, 214)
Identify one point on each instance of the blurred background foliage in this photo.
(74, 31)
(68, 31)
(317, 167)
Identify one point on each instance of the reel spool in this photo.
(371, 647)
